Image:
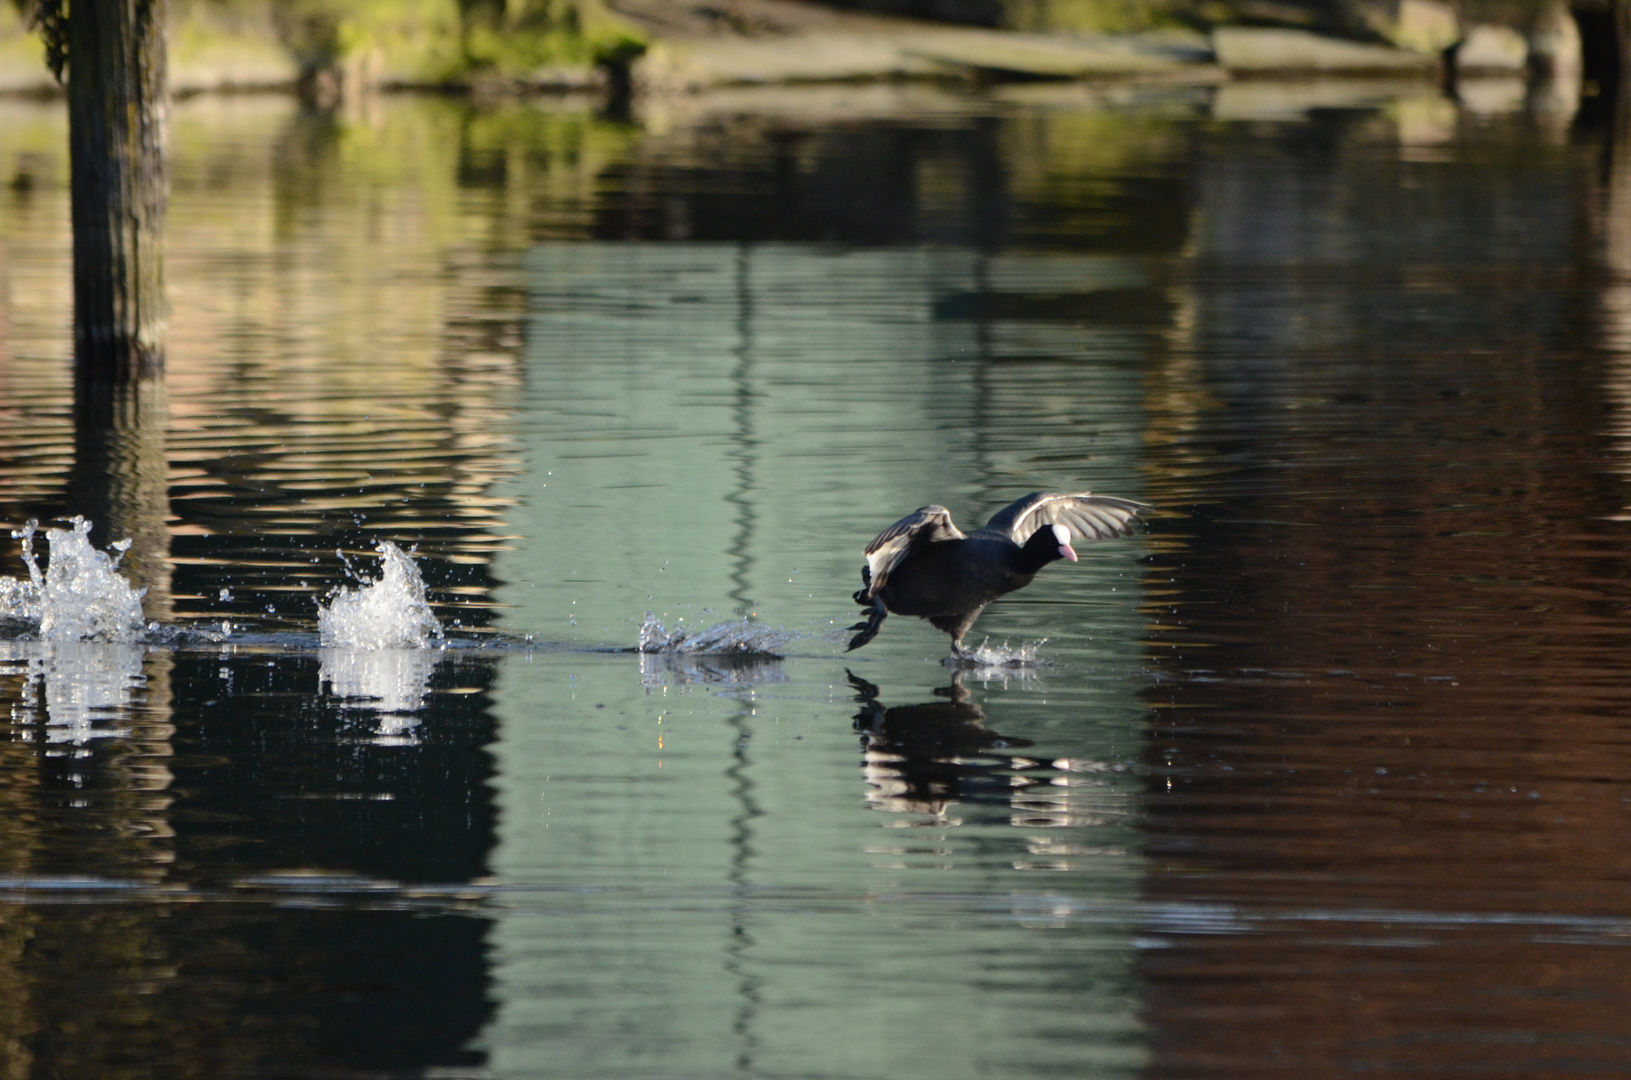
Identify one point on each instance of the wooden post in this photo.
(114, 56)
(118, 101)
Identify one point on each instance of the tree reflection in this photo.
(87, 783)
(120, 479)
(1388, 662)
(1613, 234)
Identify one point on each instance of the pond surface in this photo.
(1326, 773)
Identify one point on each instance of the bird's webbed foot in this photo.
(868, 627)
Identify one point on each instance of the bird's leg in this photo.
(868, 627)
(863, 595)
(958, 627)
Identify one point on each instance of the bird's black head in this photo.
(1047, 544)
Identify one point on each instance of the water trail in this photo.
(736, 638)
(390, 613)
(81, 596)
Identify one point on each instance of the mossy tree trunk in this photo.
(118, 101)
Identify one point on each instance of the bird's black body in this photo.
(950, 582)
(924, 566)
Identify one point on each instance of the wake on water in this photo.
(379, 641)
(738, 637)
(81, 596)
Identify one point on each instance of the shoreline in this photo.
(851, 49)
(813, 46)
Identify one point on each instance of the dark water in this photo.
(1325, 775)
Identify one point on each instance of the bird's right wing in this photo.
(922, 526)
(1086, 515)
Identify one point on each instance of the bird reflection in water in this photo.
(925, 758)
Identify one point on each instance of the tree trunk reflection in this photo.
(120, 478)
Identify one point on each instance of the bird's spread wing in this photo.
(922, 526)
(1086, 515)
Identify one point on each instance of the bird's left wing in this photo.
(924, 525)
(1086, 515)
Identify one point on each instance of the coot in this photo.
(924, 565)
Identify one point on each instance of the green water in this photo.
(699, 420)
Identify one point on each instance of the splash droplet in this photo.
(81, 595)
(390, 613)
(735, 638)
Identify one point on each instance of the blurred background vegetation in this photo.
(393, 42)
(1379, 19)
(330, 46)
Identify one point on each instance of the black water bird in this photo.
(923, 565)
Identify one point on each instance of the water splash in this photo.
(19, 605)
(390, 613)
(996, 660)
(736, 638)
(81, 596)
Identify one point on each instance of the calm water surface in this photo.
(1327, 774)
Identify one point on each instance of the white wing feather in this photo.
(925, 525)
(1086, 515)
